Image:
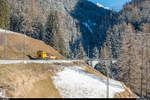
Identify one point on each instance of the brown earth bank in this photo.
(15, 47)
(34, 80)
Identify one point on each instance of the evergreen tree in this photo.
(51, 29)
(53, 35)
(95, 53)
(38, 29)
(80, 53)
(16, 22)
(104, 52)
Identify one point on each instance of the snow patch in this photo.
(94, 24)
(89, 21)
(79, 67)
(88, 26)
(1, 94)
(76, 83)
(8, 32)
(100, 5)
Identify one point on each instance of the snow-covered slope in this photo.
(99, 5)
(115, 5)
(74, 82)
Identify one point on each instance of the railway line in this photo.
(38, 61)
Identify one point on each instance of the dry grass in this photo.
(29, 80)
(125, 94)
(44, 89)
(15, 46)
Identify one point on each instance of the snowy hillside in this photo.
(74, 82)
(100, 5)
(115, 5)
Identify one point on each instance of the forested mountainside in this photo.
(81, 29)
(76, 28)
(129, 42)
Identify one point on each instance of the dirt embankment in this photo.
(15, 47)
(28, 80)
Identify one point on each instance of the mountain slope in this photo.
(129, 42)
(81, 23)
(76, 83)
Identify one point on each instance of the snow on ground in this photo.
(91, 23)
(87, 25)
(1, 94)
(38, 61)
(8, 32)
(115, 5)
(2, 30)
(100, 5)
(73, 82)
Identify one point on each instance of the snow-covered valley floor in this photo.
(74, 82)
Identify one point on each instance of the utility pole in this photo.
(107, 68)
(142, 70)
(147, 72)
(107, 80)
(5, 45)
(24, 51)
(130, 52)
(3, 90)
(31, 18)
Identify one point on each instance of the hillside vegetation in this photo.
(66, 25)
(81, 29)
(128, 41)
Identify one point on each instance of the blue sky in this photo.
(112, 4)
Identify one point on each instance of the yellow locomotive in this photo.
(44, 55)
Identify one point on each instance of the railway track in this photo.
(38, 61)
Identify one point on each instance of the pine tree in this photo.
(104, 52)
(53, 35)
(95, 53)
(38, 29)
(51, 29)
(80, 53)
